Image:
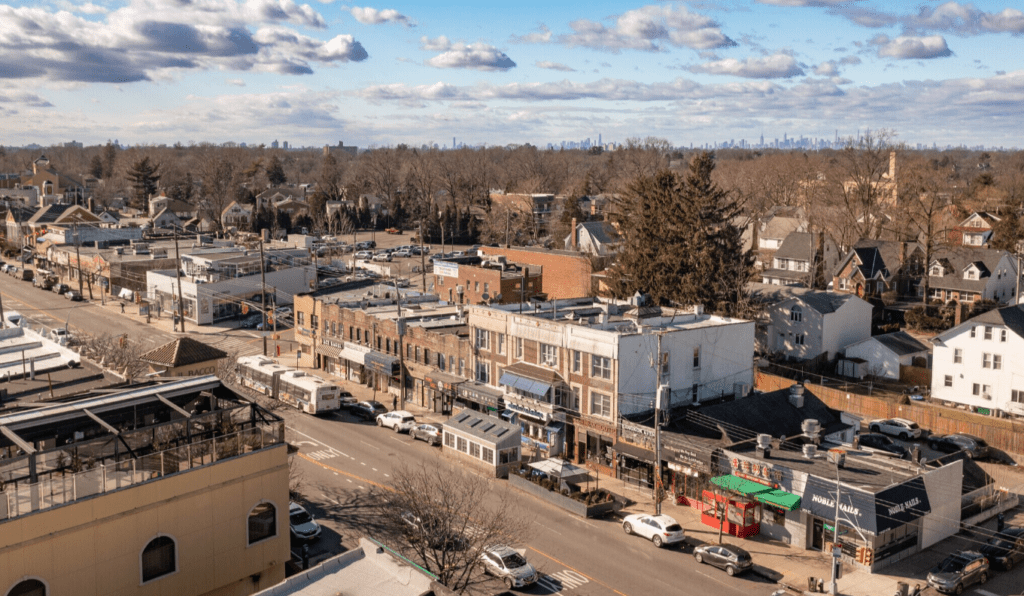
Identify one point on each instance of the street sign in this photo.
(837, 552)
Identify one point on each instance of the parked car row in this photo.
(964, 569)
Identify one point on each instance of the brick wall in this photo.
(566, 274)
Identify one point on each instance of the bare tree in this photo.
(442, 518)
(117, 353)
(857, 180)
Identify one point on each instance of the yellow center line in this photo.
(571, 568)
(343, 472)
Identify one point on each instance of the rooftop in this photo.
(182, 352)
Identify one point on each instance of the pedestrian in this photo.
(122, 308)
(394, 403)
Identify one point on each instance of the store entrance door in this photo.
(818, 534)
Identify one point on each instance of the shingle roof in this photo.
(798, 246)
(823, 302)
(601, 231)
(901, 343)
(958, 259)
(50, 213)
(1010, 316)
(182, 352)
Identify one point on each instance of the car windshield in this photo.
(513, 561)
(951, 565)
(674, 528)
(300, 517)
(912, 425)
(999, 543)
(408, 419)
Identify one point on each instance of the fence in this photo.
(23, 498)
(1001, 433)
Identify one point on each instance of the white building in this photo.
(978, 362)
(805, 324)
(884, 354)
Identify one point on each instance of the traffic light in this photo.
(869, 556)
(245, 308)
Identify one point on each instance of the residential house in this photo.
(61, 216)
(885, 354)
(166, 219)
(806, 324)
(767, 235)
(968, 274)
(274, 195)
(977, 364)
(294, 207)
(236, 215)
(801, 257)
(50, 182)
(542, 207)
(976, 230)
(872, 267)
(180, 208)
(109, 217)
(596, 238)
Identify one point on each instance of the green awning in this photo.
(780, 499)
(737, 484)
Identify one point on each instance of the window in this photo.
(462, 367)
(419, 353)
(313, 322)
(487, 454)
(696, 357)
(262, 522)
(600, 367)
(695, 392)
(159, 558)
(408, 350)
(29, 587)
(986, 361)
(449, 440)
(1017, 396)
(997, 362)
(976, 389)
(440, 362)
(795, 314)
(483, 339)
(483, 372)
(501, 343)
(958, 356)
(974, 332)
(387, 344)
(948, 381)
(988, 332)
(451, 363)
(519, 347)
(798, 339)
(359, 335)
(600, 404)
(577, 361)
(1002, 335)
(300, 318)
(548, 355)
(474, 450)
(462, 444)
(575, 405)
(507, 456)
(487, 287)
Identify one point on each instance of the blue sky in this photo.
(164, 71)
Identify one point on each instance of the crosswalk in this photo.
(559, 581)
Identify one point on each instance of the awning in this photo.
(739, 485)
(352, 355)
(442, 381)
(638, 453)
(329, 351)
(524, 384)
(779, 498)
(381, 363)
(480, 393)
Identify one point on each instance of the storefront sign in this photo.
(755, 471)
(445, 269)
(874, 514)
(636, 434)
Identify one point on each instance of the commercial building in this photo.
(491, 280)
(183, 485)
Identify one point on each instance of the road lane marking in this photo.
(593, 579)
(342, 472)
(363, 442)
(985, 593)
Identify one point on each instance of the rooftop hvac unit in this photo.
(810, 450)
(810, 427)
(796, 395)
(764, 441)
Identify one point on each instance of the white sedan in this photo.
(659, 529)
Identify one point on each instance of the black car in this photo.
(1006, 548)
(724, 556)
(975, 447)
(368, 410)
(882, 443)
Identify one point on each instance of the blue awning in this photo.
(524, 384)
(381, 363)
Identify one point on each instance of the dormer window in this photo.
(971, 274)
(796, 314)
(936, 271)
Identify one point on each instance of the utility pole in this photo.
(78, 260)
(834, 588)
(2, 319)
(423, 257)
(508, 224)
(181, 297)
(657, 431)
(263, 294)
(275, 319)
(401, 350)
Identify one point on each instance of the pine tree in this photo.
(143, 176)
(96, 167)
(275, 172)
(679, 243)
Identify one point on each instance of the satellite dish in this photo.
(486, 297)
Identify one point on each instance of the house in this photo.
(51, 182)
(236, 215)
(805, 324)
(976, 230)
(166, 219)
(801, 257)
(200, 225)
(184, 357)
(109, 217)
(977, 364)
(885, 354)
(767, 235)
(61, 216)
(872, 267)
(175, 206)
(541, 206)
(276, 194)
(597, 238)
(293, 207)
(969, 274)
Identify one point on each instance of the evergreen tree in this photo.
(275, 172)
(679, 243)
(1007, 233)
(143, 177)
(96, 167)
(109, 159)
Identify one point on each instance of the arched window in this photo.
(29, 587)
(159, 558)
(796, 314)
(262, 522)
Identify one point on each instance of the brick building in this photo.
(497, 279)
(568, 274)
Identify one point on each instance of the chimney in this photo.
(957, 313)
(575, 240)
(892, 165)
(796, 395)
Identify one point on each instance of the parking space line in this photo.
(591, 578)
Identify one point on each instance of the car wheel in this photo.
(658, 542)
(730, 570)
(380, 422)
(627, 528)
(984, 577)
(959, 589)
(699, 557)
(1009, 564)
(508, 583)
(397, 429)
(904, 436)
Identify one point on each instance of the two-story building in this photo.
(873, 267)
(978, 363)
(236, 215)
(801, 257)
(806, 324)
(969, 274)
(493, 279)
(976, 230)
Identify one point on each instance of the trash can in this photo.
(902, 588)
(812, 584)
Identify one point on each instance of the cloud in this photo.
(866, 17)
(235, 82)
(769, 67)
(948, 17)
(907, 47)
(849, 60)
(476, 56)
(542, 35)
(84, 8)
(24, 98)
(372, 16)
(829, 68)
(805, 3)
(154, 39)
(438, 44)
(649, 29)
(554, 66)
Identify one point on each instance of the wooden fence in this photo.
(1001, 433)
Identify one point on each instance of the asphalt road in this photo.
(340, 460)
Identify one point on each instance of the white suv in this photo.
(897, 427)
(504, 562)
(364, 255)
(398, 421)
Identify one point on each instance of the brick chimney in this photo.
(957, 313)
(575, 241)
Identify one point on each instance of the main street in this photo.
(341, 460)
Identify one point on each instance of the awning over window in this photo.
(779, 498)
(539, 388)
(739, 485)
(480, 393)
(442, 381)
(382, 363)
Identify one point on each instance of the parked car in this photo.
(724, 556)
(60, 288)
(393, 231)
(958, 571)
(439, 535)
(398, 421)
(882, 443)
(1005, 549)
(975, 447)
(426, 432)
(347, 399)
(364, 255)
(659, 529)
(303, 526)
(368, 410)
(897, 427)
(511, 567)
(401, 254)
(73, 295)
(382, 257)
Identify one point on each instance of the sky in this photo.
(497, 73)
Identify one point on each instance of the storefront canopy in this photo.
(780, 499)
(559, 468)
(737, 484)
(539, 388)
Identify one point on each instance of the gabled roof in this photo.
(799, 246)
(601, 231)
(182, 352)
(877, 257)
(985, 216)
(823, 302)
(959, 259)
(1011, 317)
(900, 343)
(247, 208)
